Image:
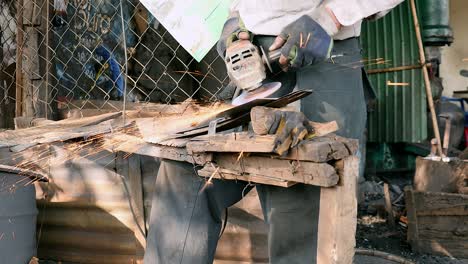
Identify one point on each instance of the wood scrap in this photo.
(437, 222)
(319, 149)
(439, 176)
(132, 144)
(338, 215)
(66, 134)
(226, 174)
(232, 142)
(319, 174)
(39, 134)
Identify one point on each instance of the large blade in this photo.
(261, 92)
(230, 121)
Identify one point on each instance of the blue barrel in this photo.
(18, 214)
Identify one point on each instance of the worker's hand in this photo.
(303, 43)
(290, 127)
(234, 29)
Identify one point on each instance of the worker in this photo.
(186, 221)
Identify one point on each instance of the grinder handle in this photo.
(269, 57)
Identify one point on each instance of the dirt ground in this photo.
(373, 232)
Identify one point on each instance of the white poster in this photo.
(195, 24)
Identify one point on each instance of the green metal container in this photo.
(435, 21)
(400, 114)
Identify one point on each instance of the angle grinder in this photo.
(246, 68)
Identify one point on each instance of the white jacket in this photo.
(268, 17)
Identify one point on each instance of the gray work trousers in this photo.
(185, 222)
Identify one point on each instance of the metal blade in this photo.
(261, 92)
(243, 117)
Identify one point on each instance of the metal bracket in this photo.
(212, 127)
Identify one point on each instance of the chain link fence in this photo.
(59, 55)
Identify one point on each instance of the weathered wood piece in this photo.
(438, 223)
(319, 174)
(439, 176)
(136, 145)
(388, 207)
(322, 129)
(428, 203)
(58, 136)
(338, 215)
(225, 174)
(319, 149)
(32, 12)
(56, 131)
(232, 142)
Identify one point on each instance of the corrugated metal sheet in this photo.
(400, 114)
(86, 217)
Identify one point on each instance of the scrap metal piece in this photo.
(240, 115)
(262, 92)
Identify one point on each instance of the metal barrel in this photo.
(435, 15)
(18, 214)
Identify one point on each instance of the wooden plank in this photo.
(413, 233)
(338, 215)
(232, 142)
(19, 60)
(445, 223)
(388, 207)
(31, 54)
(32, 13)
(427, 203)
(209, 172)
(322, 129)
(443, 227)
(39, 134)
(60, 136)
(320, 149)
(439, 176)
(319, 174)
(451, 248)
(132, 144)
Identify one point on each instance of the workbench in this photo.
(328, 161)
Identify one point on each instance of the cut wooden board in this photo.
(66, 134)
(132, 144)
(440, 176)
(338, 216)
(319, 174)
(53, 131)
(438, 223)
(232, 142)
(319, 149)
(225, 174)
(429, 203)
(451, 248)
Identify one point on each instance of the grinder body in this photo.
(246, 68)
(244, 65)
